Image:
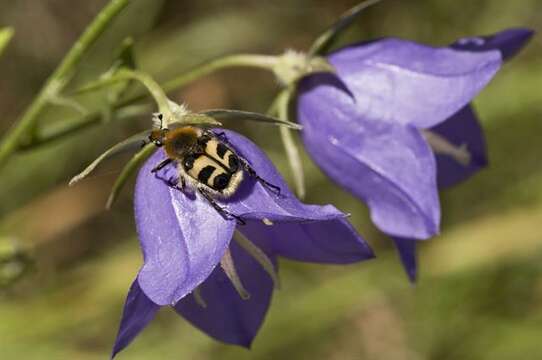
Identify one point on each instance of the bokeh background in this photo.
(479, 295)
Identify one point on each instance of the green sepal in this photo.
(130, 144)
(324, 42)
(197, 119)
(282, 105)
(225, 114)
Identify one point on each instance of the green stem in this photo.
(56, 80)
(152, 86)
(57, 132)
(241, 60)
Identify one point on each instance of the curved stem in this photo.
(56, 81)
(152, 86)
(240, 60)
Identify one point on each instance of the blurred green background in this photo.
(479, 295)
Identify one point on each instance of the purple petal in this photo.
(408, 83)
(332, 241)
(255, 201)
(227, 317)
(407, 253)
(182, 239)
(388, 165)
(138, 311)
(461, 129)
(509, 42)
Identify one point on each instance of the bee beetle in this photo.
(205, 161)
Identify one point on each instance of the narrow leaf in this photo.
(127, 171)
(125, 58)
(326, 39)
(126, 55)
(131, 143)
(224, 114)
(5, 37)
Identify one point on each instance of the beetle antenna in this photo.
(157, 121)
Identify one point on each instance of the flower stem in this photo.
(152, 86)
(57, 79)
(322, 44)
(240, 60)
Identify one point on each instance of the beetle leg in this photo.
(163, 164)
(253, 174)
(222, 211)
(220, 135)
(175, 183)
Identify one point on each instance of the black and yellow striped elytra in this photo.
(215, 166)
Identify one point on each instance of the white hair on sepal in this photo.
(178, 110)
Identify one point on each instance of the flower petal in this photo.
(255, 201)
(388, 165)
(462, 128)
(408, 83)
(407, 253)
(509, 42)
(182, 236)
(138, 311)
(331, 241)
(226, 316)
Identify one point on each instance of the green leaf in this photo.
(5, 37)
(125, 58)
(224, 114)
(131, 143)
(326, 39)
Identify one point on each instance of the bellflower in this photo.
(183, 238)
(463, 129)
(373, 126)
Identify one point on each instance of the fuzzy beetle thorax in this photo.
(182, 140)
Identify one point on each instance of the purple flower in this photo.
(366, 126)
(183, 238)
(464, 128)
